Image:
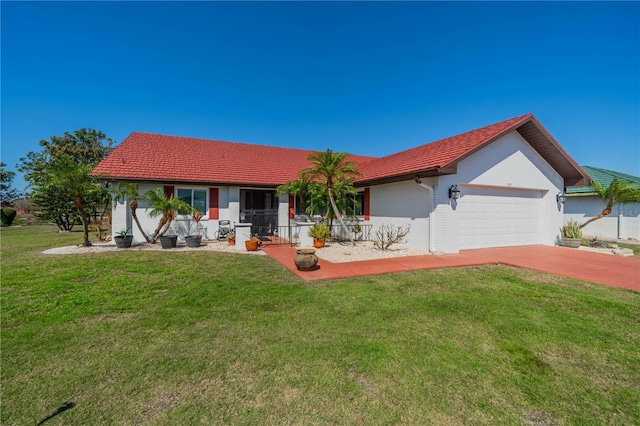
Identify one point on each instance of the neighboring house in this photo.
(508, 174)
(583, 204)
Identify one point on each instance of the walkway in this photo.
(614, 271)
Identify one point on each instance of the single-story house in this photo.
(490, 187)
(583, 204)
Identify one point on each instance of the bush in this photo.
(571, 230)
(389, 234)
(7, 215)
(320, 231)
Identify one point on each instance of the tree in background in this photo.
(7, 193)
(619, 191)
(60, 180)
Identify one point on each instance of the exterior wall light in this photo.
(561, 197)
(454, 192)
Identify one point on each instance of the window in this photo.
(194, 197)
(358, 205)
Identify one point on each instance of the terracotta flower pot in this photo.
(251, 245)
(318, 242)
(232, 242)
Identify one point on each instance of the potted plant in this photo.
(252, 243)
(124, 239)
(319, 232)
(169, 241)
(571, 234)
(195, 240)
(231, 238)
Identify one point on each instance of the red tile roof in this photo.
(436, 155)
(152, 157)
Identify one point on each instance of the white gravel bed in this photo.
(364, 250)
(222, 246)
(332, 252)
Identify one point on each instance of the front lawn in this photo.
(186, 338)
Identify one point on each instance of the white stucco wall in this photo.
(403, 203)
(623, 222)
(508, 163)
(182, 225)
(507, 167)
(228, 207)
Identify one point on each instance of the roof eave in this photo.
(541, 140)
(431, 172)
(553, 153)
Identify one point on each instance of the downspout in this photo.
(431, 214)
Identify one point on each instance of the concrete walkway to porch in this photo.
(614, 271)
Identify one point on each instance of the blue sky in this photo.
(370, 78)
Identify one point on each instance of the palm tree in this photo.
(619, 191)
(166, 207)
(306, 192)
(330, 168)
(130, 190)
(299, 188)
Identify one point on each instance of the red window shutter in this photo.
(168, 192)
(292, 207)
(214, 210)
(367, 204)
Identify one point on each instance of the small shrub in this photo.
(7, 215)
(571, 230)
(320, 231)
(389, 234)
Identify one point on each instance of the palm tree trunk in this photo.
(335, 211)
(166, 226)
(605, 212)
(154, 238)
(134, 206)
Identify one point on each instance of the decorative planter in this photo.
(571, 242)
(251, 245)
(232, 242)
(123, 242)
(306, 259)
(318, 242)
(168, 241)
(193, 240)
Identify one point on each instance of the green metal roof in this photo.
(605, 177)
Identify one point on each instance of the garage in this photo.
(499, 216)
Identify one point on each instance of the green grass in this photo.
(166, 338)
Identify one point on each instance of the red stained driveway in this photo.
(614, 271)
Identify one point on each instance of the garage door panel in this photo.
(493, 217)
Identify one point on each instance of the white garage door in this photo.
(499, 217)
